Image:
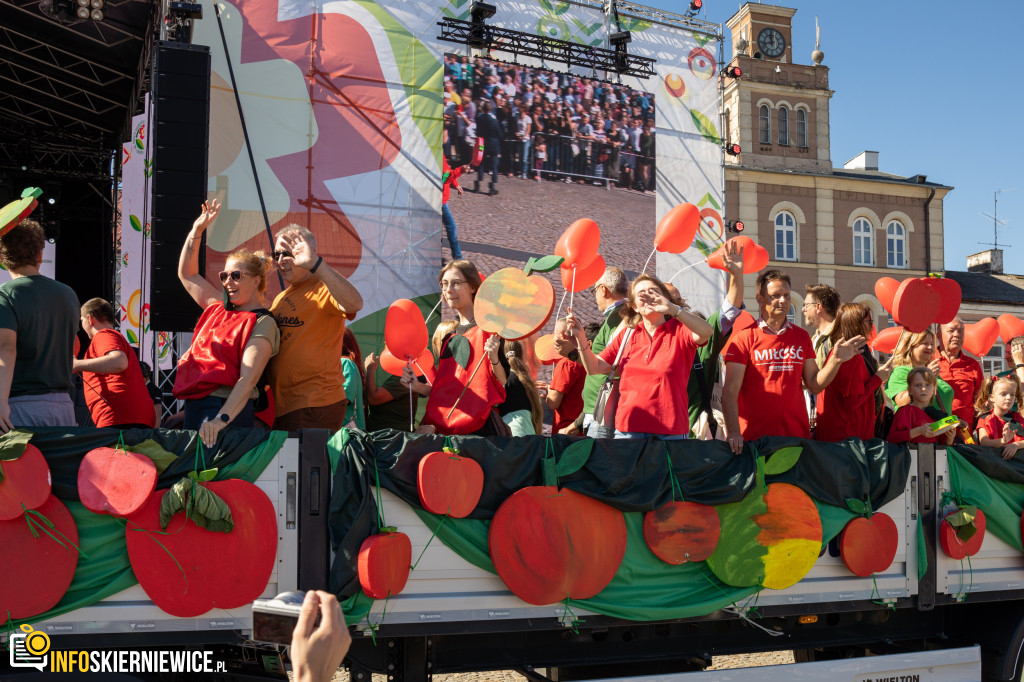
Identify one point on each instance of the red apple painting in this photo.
(962, 532)
(679, 532)
(188, 570)
(383, 563)
(24, 480)
(868, 544)
(114, 481)
(449, 484)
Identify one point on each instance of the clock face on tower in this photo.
(771, 42)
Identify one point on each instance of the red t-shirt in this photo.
(910, 417)
(655, 370)
(568, 379)
(994, 426)
(771, 401)
(846, 408)
(116, 398)
(965, 376)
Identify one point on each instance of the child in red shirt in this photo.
(565, 393)
(912, 424)
(1003, 428)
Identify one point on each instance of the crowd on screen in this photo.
(540, 125)
(681, 373)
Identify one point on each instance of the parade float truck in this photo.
(557, 557)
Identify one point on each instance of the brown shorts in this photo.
(326, 417)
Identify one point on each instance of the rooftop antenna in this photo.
(996, 222)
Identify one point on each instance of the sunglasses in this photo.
(278, 255)
(235, 275)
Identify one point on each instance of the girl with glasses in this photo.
(219, 376)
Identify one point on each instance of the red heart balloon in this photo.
(578, 245)
(885, 291)
(915, 305)
(584, 277)
(390, 364)
(885, 341)
(949, 294)
(405, 332)
(980, 336)
(1010, 327)
(677, 229)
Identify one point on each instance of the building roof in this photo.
(984, 287)
(860, 174)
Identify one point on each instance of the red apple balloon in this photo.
(949, 296)
(885, 341)
(579, 243)
(916, 304)
(584, 278)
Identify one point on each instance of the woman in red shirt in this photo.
(848, 406)
(655, 363)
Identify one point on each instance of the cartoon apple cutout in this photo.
(549, 543)
(42, 550)
(115, 481)
(513, 304)
(383, 563)
(24, 479)
(868, 544)
(449, 484)
(187, 569)
(678, 532)
(772, 536)
(962, 532)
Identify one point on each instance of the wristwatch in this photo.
(223, 417)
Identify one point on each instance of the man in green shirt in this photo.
(38, 323)
(610, 293)
(705, 374)
(820, 306)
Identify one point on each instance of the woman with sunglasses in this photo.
(851, 404)
(218, 376)
(455, 404)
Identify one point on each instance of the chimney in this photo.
(863, 161)
(990, 261)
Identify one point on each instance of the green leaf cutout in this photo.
(460, 349)
(550, 471)
(204, 475)
(963, 521)
(856, 506)
(135, 222)
(575, 456)
(705, 126)
(132, 338)
(782, 461)
(150, 448)
(34, 192)
(206, 509)
(12, 444)
(543, 264)
(702, 247)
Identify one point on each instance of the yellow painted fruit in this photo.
(133, 308)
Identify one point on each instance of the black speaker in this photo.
(180, 84)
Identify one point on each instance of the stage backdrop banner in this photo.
(343, 109)
(135, 264)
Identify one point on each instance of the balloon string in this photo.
(422, 373)
(412, 417)
(559, 315)
(691, 265)
(572, 287)
(433, 310)
(653, 251)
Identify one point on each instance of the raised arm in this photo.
(201, 291)
(305, 255)
(591, 362)
(817, 379)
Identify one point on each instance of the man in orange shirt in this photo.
(305, 375)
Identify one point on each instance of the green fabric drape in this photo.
(629, 475)
(980, 476)
(107, 571)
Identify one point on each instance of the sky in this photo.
(932, 85)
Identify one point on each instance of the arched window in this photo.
(862, 247)
(801, 128)
(765, 123)
(792, 315)
(896, 244)
(785, 236)
(783, 126)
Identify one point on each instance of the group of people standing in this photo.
(680, 374)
